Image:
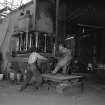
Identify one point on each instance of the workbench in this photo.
(61, 81)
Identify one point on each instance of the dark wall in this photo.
(92, 47)
(84, 49)
(45, 16)
(100, 43)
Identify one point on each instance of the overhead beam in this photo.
(91, 26)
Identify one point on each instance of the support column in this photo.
(45, 44)
(57, 15)
(26, 47)
(36, 44)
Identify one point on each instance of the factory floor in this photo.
(93, 94)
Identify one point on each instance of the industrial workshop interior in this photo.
(52, 52)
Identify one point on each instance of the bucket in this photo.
(18, 77)
(12, 76)
(1, 76)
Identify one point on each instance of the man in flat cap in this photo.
(33, 74)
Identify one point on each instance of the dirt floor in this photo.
(94, 94)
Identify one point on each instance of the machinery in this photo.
(24, 30)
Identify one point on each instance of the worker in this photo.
(64, 60)
(33, 74)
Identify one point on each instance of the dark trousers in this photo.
(32, 72)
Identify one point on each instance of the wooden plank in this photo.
(60, 77)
